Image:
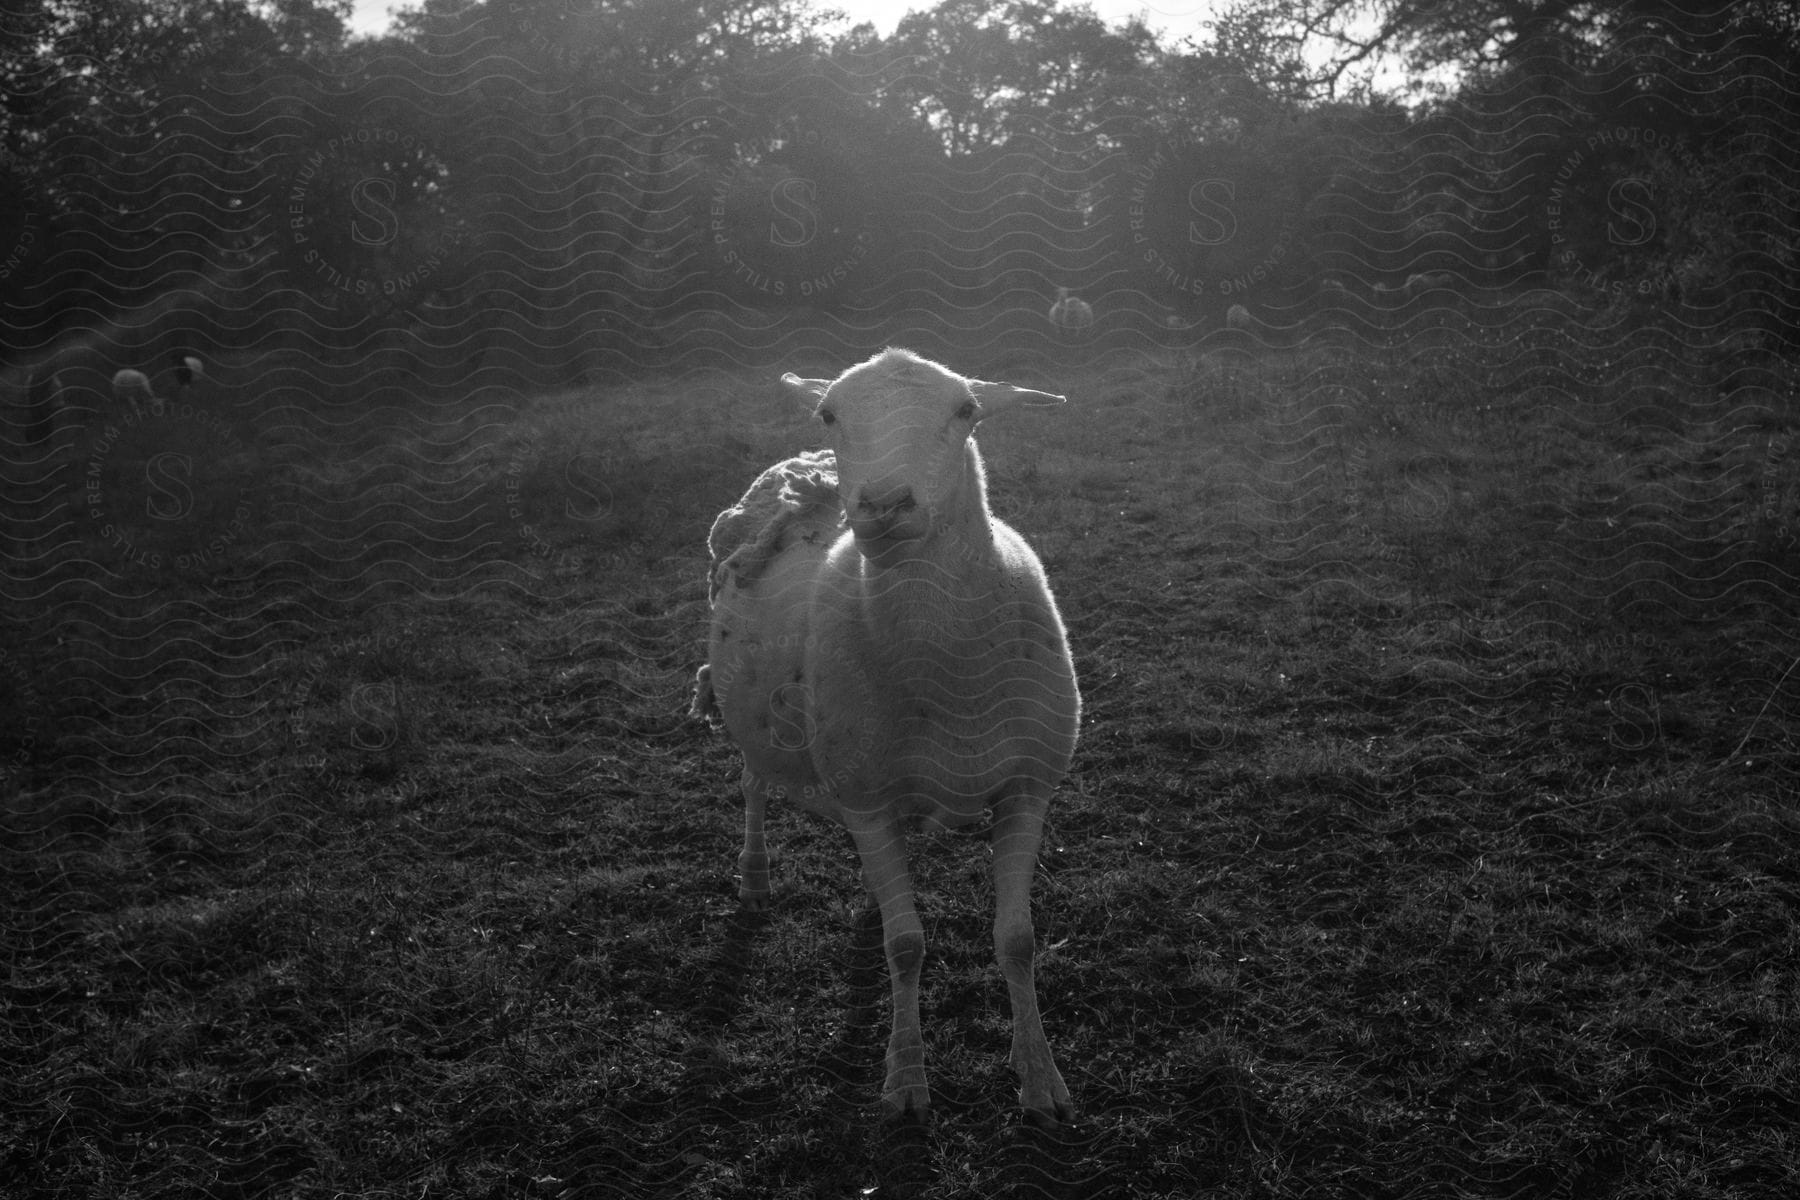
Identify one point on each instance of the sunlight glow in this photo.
(1171, 19)
(1174, 22)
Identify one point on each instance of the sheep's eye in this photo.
(827, 416)
(967, 411)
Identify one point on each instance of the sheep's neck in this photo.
(941, 599)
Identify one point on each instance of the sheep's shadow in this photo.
(848, 1062)
(717, 997)
(895, 1152)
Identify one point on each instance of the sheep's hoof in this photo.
(753, 902)
(909, 1105)
(1046, 1101)
(1058, 1112)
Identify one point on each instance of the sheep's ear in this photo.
(998, 397)
(807, 391)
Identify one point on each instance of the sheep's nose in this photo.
(886, 507)
(875, 518)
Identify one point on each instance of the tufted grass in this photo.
(1433, 826)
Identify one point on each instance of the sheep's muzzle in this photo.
(881, 525)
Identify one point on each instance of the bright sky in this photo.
(1174, 19)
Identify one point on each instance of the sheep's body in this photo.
(1071, 315)
(133, 388)
(747, 535)
(188, 369)
(883, 647)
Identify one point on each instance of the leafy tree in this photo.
(126, 169)
(984, 72)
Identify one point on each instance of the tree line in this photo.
(579, 166)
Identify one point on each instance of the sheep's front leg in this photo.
(1017, 833)
(753, 860)
(882, 845)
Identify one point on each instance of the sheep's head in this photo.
(900, 427)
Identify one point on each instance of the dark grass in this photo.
(1433, 828)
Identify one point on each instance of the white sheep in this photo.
(188, 368)
(1072, 315)
(133, 388)
(883, 647)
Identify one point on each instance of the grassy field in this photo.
(1434, 828)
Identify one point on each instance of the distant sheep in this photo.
(883, 647)
(1071, 314)
(133, 388)
(1238, 317)
(188, 368)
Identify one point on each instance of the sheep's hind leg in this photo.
(753, 860)
(1018, 831)
(882, 845)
